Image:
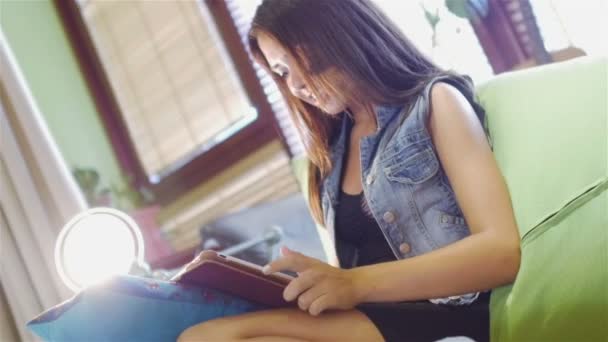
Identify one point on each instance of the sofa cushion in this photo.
(548, 126)
(128, 308)
(560, 293)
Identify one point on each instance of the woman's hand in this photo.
(319, 286)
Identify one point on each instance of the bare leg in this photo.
(289, 324)
(272, 339)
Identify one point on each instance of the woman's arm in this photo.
(478, 262)
(486, 259)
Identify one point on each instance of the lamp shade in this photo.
(96, 244)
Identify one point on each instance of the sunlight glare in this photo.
(98, 247)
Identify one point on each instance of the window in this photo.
(455, 45)
(566, 23)
(178, 91)
(174, 85)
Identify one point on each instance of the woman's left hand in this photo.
(319, 286)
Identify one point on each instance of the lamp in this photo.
(102, 242)
(96, 244)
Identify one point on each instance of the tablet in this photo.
(237, 277)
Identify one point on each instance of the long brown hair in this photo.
(369, 53)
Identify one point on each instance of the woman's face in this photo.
(283, 64)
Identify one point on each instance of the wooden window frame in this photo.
(204, 166)
(506, 41)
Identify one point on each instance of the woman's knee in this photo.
(292, 323)
(212, 330)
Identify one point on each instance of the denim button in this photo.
(369, 179)
(405, 248)
(388, 217)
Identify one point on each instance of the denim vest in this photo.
(404, 184)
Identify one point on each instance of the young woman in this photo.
(401, 175)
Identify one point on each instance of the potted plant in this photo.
(139, 205)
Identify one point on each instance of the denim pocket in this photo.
(445, 228)
(414, 169)
(452, 222)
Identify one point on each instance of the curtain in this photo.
(8, 330)
(37, 197)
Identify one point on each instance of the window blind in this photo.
(171, 75)
(269, 175)
(263, 177)
(242, 12)
(526, 31)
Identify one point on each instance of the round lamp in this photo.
(96, 244)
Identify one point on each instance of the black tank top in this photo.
(356, 225)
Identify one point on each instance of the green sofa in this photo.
(549, 130)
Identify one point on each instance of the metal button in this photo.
(369, 179)
(444, 219)
(405, 248)
(388, 217)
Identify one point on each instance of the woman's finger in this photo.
(320, 304)
(292, 261)
(302, 283)
(309, 296)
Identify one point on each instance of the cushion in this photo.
(548, 126)
(560, 293)
(128, 308)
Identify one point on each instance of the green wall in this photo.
(35, 35)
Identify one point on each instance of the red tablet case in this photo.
(235, 281)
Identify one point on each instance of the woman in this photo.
(401, 175)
